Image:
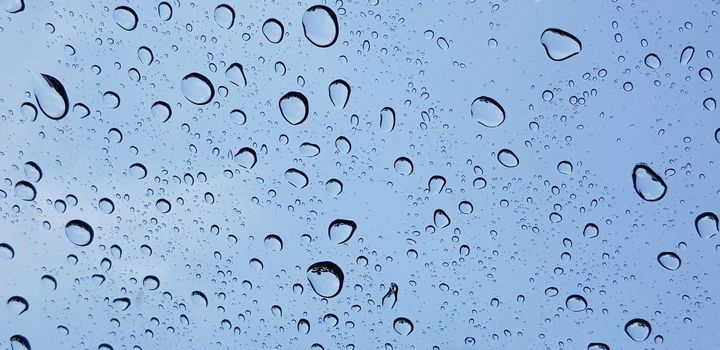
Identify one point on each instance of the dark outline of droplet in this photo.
(403, 320)
(152, 55)
(652, 174)
(58, 87)
(299, 96)
(22, 7)
(671, 254)
(713, 217)
(339, 222)
(132, 12)
(333, 16)
(562, 33)
(343, 83)
(206, 81)
(331, 267)
(297, 171)
(492, 101)
(124, 300)
(638, 320)
(83, 225)
(9, 248)
(232, 12)
(20, 339)
(171, 10)
(164, 104)
(247, 149)
(29, 185)
(282, 29)
(36, 167)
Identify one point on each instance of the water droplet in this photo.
(669, 260)
(709, 104)
(224, 16)
(440, 218)
(638, 329)
(648, 184)
(339, 91)
(576, 303)
(565, 167)
(487, 112)
(246, 157)
(6, 251)
(334, 187)
(387, 119)
(436, 184)
(296, 178)
(652, 61)
(342, 144)
(303, 326)
(48, 282)
(706, 74)
(163, 206)
(320, 25)
(390, 298)
(591, 231)
(707, 225)
(507, 158)
(138, 171)
(106, 205)
(294, 107)
(273, 242)
(29, 111)
(236, 74)
(687, 55)
(165, 11)
(273, 30)
(597, 346)
(13, 6)
(79, 232)
(145, 55)
(25, 191)
(403, 326)
(199, 298)
(161, 111)
(341, 230)
(465, 207)
(309, 149)
(18, 342)
(325, 278)
(560, 45)
(151, 282)
(404, 166)
(197, 88)
(125, 17)
(17, 305)
(51, 96)
(111, 99)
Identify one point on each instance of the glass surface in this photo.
(365, 174)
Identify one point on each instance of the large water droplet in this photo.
(25, 191)
(151, 282)
(638, 329)
(576, 303)
(137, 171)
(197, 88)
(334, 187)
(341, 230)
(390, 298)
(13, 6)
(199, 298)
(440, 218)
(507, 158)
(125, 17)
(294, 107)
(436, 184)
(648, 184)
(687, 55)
(652, 61)
(163, 206)
(565, 167)
(325, 278)
(245, 157)
(273, 242)
(50, 95)
(403, 166)
(559, 44)
(236, 74)
(387, 119)
(403, 326)
(339, 91)
(707, 225)
(18, 342)
(273, 30)
(161, 111)
(669, 260)
(320, 25)
(32, 171)
(17, 305)
(224, 16)
(6, 251)
(79, 232)
(487, 111)
(165, 11)
(296, 178)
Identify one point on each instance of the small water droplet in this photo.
(151, 282)
(236, 74)
(17, 305)
(6, 251)
(106, 205)
(591, 230)
(334, 187)
(565, 167)
(137, 171)
(273, 242)
(436, 184)
(25, 191)
(245, 157)
(296, 178)
(341, 230)
(145, 55)
(161, 111)
(705, 74)
(163, 205)
(576, 303)
(199, 298)
(687, 55)
(165, 11)
(390, 298)
(440, 218)
(387, 119)
(339, 91)
(403, 166)
(709, 104)
(273, 30)
(653, 61)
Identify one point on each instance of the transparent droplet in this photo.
(25, 191)
(161, 111)
(709, 104)
(49, 282)
(339, 91)
(591, 231)
(436, 184)
(320, 25)
(165, 11)
(565, 167)
(576, 303)
(334, 187)
(687, 55)
(6, 251)
(79, 232)
(163, 205)
(273, 242)
(51, 96)
(669, 260)
(403, 326)
(303, 326)
(707, 225)
(224, 16)
(652, 61)
(236, 74)
(706, 74)
(440, 218)
(137, 171)
(507, 158)
(151, 282)
(273, 30)
(111, 99)
(145, 55)
(18, 342)
(326, 278)
(294, 107)
(465, 207)
(296, 178)
(106, 205)
(598, 346)
(341, 230)
(17, 305)
(638, 329)
(648, 184)
(387, 119)
(390, 298)
(199, 298)
(403, 166)
(197, 88)
(13, 6)
(487, 112)
(245, 157)
(560, 45)
(125, 17)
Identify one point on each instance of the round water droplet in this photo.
(343, 145)
(224, 16)
(151, 282)
(29, 111)
(465, 207)
(32, 171)
(137, 171)
(565, 167)
(320, 25)
(51, 96)
(25, 191)
(709, 104)
(341, 230)
(245, 157)
(705, 74)
(309, 149)
(106, 205)
(296, 178)
(236, 74)
(403, 326)
(559, 44)
(339, 91)
(436, 184)
(440, 218)
(387, 119)
(79, 232)
(507, 158)
(273, 242)
(403, 166)
(238, 117)
(707, 225)
(334, 187)
(125, 17)
(273, 30)
(294, 107)
(49, 282)
(197, 88)
(161, 111)
(687, 55)
(17, 305)
(111, 100)
(669, 260)
(325, 278)
(13, 6)
(487, 112)
(591, 231)
(6, 251)
(576, 303)
(199, 298)
(638, 329)
(648, 184)
(163, 205)
(165, 11)
(652, 61)
(303, 326)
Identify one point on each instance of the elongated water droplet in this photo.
(125, 17)
(245, 157)
(320, 25)
(341, 230)
(339, 91)
(638, 329)
(440, 218)
(669, 260)
(390, 298)
(707, 225)
(387, 119)
(25, 191)
(13, 6)
(224, 16)
(294, 107)
(18, 342)
(648, 184)
(436, 184)
(197, 88)
(326, 278)
(273, 30)
(403, 326)
(487, 112)
(296, 178)
(236, 74)
(79, 232)
(507, 158)
(165, 11)
(687, 55)
(145, 55)
(559, 44)
(51, 96)
(32, 171)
